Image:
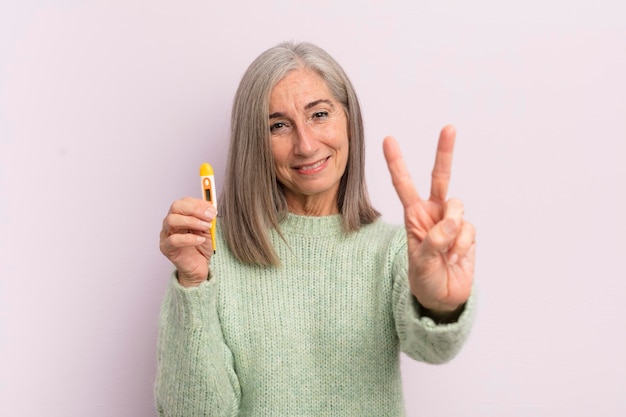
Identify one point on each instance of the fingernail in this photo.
(449, 226)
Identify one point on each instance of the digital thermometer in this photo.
(207, 180)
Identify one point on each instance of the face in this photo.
(309, 135)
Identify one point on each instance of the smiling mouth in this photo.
(312, 167)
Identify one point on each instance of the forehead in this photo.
(299, 87)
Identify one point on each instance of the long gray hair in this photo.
(252, 199)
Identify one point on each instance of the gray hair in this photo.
(252, 199)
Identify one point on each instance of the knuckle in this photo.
(174, 206)
(185, 222)
(164, 247)
(438, 239)
(181, 206)
(466, 238)
(469, 230)
(169, 223)
(456, 205)
(166, 224)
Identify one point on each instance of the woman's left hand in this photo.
(441, 244)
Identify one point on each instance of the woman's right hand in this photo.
(186, 239)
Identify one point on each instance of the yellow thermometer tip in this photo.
(206, 170)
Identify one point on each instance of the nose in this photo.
(305, 141)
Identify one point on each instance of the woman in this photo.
(309, 298)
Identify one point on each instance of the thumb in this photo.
(439, 238)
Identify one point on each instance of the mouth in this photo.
(312, 168)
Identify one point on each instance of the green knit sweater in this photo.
(318, 336)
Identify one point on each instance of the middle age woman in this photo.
(309, 297)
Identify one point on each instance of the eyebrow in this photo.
(307, 107)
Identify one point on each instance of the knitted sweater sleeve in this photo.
(420, 337)
(195, 375)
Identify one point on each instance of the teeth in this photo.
(310, 167)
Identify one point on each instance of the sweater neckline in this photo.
(312, 225)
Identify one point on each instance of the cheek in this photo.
(344, 149)
(281, 163)
(279, 153)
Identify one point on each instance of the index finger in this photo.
(400, 176)
(443, 164)
(195, 207)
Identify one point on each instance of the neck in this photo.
(312, 206)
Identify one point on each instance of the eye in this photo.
(320, 114)
(277, 126)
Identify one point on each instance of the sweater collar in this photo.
(312, 225)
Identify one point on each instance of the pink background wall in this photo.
(108, 107)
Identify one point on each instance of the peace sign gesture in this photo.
(441, 245)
